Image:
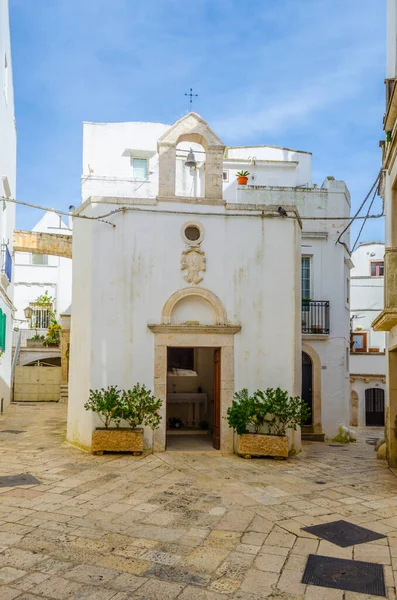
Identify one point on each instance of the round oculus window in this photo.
(192, 233)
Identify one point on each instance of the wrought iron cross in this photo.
(191, 96)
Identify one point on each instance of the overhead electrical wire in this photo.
(360, 209)
(365, 220)
(258, 213)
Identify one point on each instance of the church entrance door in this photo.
(193, 399)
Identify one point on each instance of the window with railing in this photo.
(6, 267)
(315, 316)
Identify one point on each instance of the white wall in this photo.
(33, 280)
(367, 295)
(137, 268)
(278, 176)
(8, 171)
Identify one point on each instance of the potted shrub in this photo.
(272, 409)
(242, 177)
(137, 407)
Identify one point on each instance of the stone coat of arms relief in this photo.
(194, 262)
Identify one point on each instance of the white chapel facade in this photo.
(192, 285)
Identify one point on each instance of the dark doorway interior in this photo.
(375, 407)
(307, 385)
(193, 398)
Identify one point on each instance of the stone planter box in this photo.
(34, 343)
(258, 444)
(122, 439)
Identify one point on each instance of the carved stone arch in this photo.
(316, 386)
(354, 401)
(191, 128)
(207, 295)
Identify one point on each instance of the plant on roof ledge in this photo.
(242, 177)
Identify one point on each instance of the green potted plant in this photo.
(273, 410)
(53, 336)
(137, 407)
(242, 177)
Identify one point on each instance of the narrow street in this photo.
(192, 526)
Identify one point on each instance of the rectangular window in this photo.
(347, 359)
(306, 277)
(140, 169)
(39, 259)
(347, 290)
(40, 318)
(225, 175)
(377, 268)
(359, 342)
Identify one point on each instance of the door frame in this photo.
(307, 401)
(168, 336)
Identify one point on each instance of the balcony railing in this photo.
(315, 317)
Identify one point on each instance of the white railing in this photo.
(26, 334)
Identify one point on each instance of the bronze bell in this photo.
(191, 161)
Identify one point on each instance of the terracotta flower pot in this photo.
(242, 180)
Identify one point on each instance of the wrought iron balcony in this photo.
(315, 317)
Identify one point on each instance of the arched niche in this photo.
(191, 128)
(190, 299)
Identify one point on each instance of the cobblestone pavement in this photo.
(191, 526)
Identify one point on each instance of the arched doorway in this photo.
(307, 385)
(375, 407)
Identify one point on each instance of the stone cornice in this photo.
(386, 320)
(225, 329)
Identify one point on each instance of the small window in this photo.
(347, 360)
(40, 318)
(377, 268)
(192, 233)
(306, 278)
(140, 169)
(225, 175)
(347, 290)
(39, 259)
(359, 342)
(180, 358)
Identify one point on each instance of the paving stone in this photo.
(372, 553)
(259, 582)
(270, 562)
(224, 585)
(314, 592)
(159, 590)
(163, 558)
(58, 589)
(193, 593)
(8, 574)
(91, 574)
(7, 593)
(204, 559)
(222, 539)
(253, 538)
(127, 582)
(291, 582)
(22, 559)
(30, 581)
(178, 575)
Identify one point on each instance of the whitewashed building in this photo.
(192, 284)
(387, 319)
(38, 274)
(7, 210)
(367, 356)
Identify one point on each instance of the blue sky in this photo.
(306, 74)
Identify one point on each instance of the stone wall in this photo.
(53, 244)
